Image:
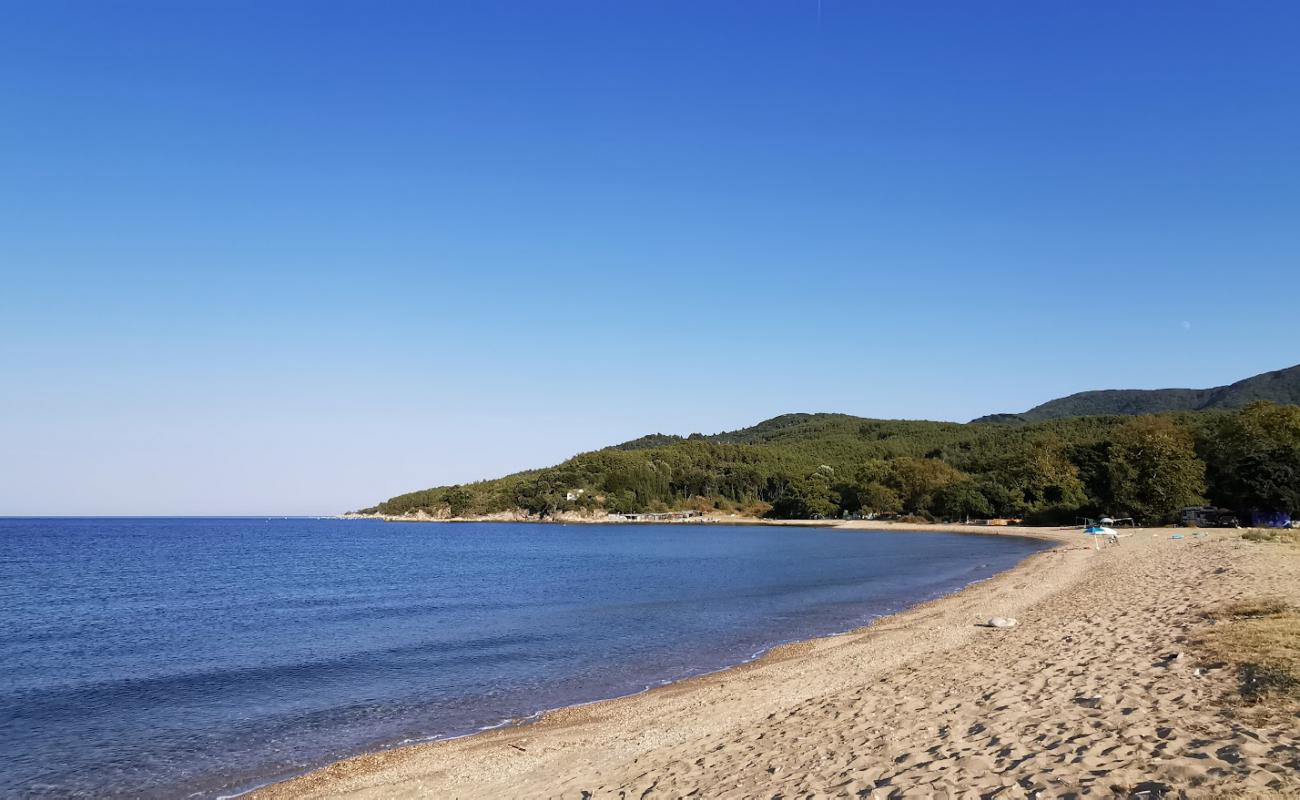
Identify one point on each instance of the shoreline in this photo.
(573, 518)
(732, 730)
(1043, 534)
(1029, 531)
(572, 714)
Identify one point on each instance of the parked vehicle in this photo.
(1209, 517)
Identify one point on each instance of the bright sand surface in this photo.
(1082, 697)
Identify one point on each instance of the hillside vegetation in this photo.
(826, 465)
(1280, 386)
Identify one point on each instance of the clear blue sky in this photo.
(296, 257)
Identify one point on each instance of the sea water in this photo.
(201, 657)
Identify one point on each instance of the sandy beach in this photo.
(1101, 689)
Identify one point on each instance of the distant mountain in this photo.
(1281, 386)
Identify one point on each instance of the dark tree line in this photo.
(827, 465)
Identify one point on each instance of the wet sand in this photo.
(1095, 692)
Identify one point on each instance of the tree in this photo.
(1092, 461)
(810, 498)
(540, 497)
(1037, 478)
(623, 502)
(917, 480)
(962, 500)
(458, 500)
(1002, 501)
(870, 498)
(1154, 470)
(1254, 458)
(876, 498)
(646, 478)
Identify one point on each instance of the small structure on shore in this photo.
(1208, 517)
(666, 516)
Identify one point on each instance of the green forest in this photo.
(801, 466)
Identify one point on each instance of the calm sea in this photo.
(200, 657)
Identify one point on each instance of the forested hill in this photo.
(790, 426)
(1280, 386)
(827, 465)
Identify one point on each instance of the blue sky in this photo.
(296, 257)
